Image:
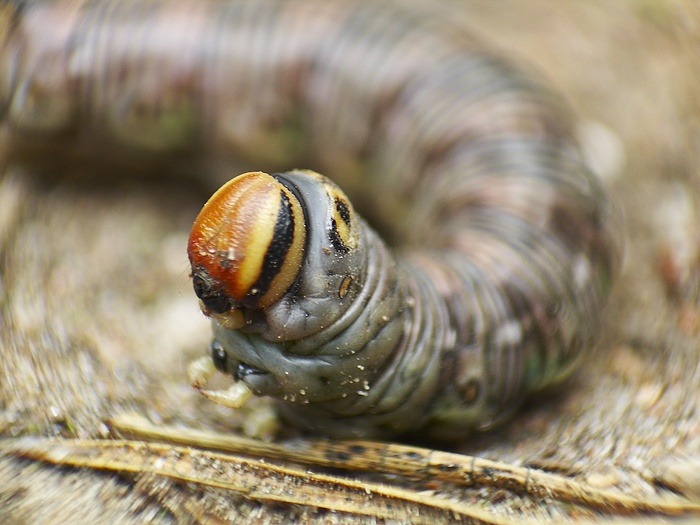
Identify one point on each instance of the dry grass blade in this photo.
(413, 462)
(253, 479)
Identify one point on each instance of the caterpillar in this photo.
(490, 252)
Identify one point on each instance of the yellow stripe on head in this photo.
(247, 243)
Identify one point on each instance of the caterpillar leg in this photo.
(200, 372)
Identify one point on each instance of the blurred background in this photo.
(98, 315)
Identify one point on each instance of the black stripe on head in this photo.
(282, 239)
(336, 239)
(288, 183)
(291, 186)
(343, 210)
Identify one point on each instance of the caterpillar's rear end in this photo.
(503, 253)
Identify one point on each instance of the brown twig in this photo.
(253, 479)
(412, 462)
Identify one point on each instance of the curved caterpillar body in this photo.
(503, 254)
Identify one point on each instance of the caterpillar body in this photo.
(502, 252)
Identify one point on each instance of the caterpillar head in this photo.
(277, 263)
(246, 247)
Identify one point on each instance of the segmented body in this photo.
(503, 254)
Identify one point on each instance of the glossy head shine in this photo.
(246, 245)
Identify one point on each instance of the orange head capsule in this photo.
(246, 245)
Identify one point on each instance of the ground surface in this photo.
(97, 314)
